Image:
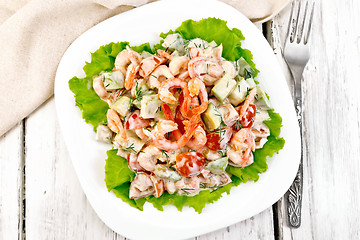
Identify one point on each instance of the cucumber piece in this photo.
(239, 94)
(150, 106)
(164, 172)
(137, 101)
(103, 134)
(133, 145)
(113, 80)
(138, 91)
(223, 87)
(261, 95)
(251, 82)
(212, 117)
(121, 105)
(218, 166)
(245, 70)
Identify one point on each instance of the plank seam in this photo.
(21, 200)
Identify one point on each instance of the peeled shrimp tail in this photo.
(115, 124)
(165, 95)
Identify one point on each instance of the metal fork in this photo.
(296, 53)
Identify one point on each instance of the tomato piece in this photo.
(190, 163)
(248, 119)
(134, 121)
(219, 139)
(213, 141)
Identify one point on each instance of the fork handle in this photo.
(294, 194)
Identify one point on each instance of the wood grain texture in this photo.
(257, 227)
(11, 183)
(56, 207)
(331, 124)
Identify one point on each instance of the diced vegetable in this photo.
(103, 134)
(218, 166)
(245, 70)
(174, 42)
(229, 114)
(113, 80)
(164, 172)
(122, 105)
(223, 87)
(239, 94)
(251, 83)
(133, 145)
(212, 117)
(137, 101)
(262, 96)
(150, 106)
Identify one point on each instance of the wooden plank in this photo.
(11, 183)
(331, 124)
(259, 226)
(56, 207)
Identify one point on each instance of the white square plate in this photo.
(144, 24)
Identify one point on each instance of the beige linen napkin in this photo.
(34, 34)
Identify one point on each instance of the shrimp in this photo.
(195, 87)
(135, 121)
(177, 64)
(198, 141)
(124, 58)
(206, 69)
(229, 68)
(99, 88)
(148, 65)
(237, 159)
(134, 165)
(115, 124)
(249, 99)
(158, 185)
(130, 75)
(242, 144)
(170, 186)
(188, 185)
(148, 157)
(229, 113)
(165, 126)
(141, 186)
(184, 75)
(158, 75)
(261, 132)
(165, 54)
(214, 180)
(165, 95)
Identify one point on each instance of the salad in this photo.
(186, 118)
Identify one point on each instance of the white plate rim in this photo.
(72, 125)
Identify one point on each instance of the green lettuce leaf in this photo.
(117, 174)
(116, 170)
(214, 29)
(93, 108)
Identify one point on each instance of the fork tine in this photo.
(291, 23)
(294, 20)
(307, 34)
(301, 26)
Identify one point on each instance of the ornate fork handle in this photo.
(294, 194)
